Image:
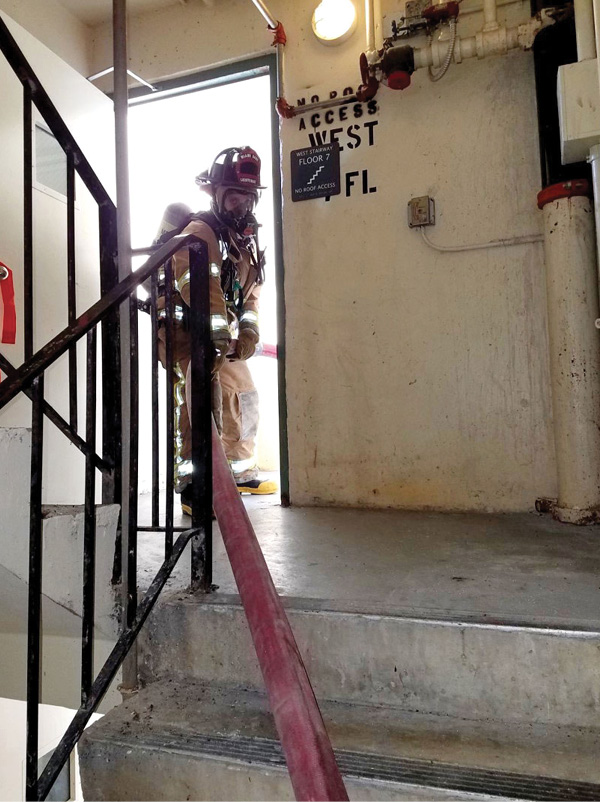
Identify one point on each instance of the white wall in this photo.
(53, 722)
(62, 566)
(415, 379)
(89, 115)
(56, 27)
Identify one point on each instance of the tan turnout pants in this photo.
(235, 407)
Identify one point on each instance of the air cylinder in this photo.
(572, 294)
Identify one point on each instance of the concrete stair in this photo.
(416, 708)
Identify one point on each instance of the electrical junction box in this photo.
(578, 109)
(421, 211)
(406, 13)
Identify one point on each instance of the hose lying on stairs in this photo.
(314, 774)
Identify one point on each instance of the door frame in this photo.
(244, 70)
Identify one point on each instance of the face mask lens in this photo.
(238, 203)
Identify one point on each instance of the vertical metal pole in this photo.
(170, 408)
(89, 529)
(280, 300)
(71, 288)
(121, 149)
(111, 371)
(154, 391)
(201, 417)
(129, 462)
(133, 463)
(27, 222)
(34, 643)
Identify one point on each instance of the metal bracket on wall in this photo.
(108, 70)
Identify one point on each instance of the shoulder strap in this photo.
(212, 221)
(173, 232)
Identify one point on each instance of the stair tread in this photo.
(547, 624)
(371, 743)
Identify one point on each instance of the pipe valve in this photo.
(441, 12)
(398, 64)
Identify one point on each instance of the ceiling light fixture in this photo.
(334, 21)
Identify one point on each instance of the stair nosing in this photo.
(369, 766)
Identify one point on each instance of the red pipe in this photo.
(311, 763)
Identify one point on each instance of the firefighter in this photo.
(236, 275)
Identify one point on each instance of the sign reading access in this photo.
(316, 172)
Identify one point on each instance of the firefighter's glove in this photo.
(220, 354)
(246, 344)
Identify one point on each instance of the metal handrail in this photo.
(57, 346)
(111, 666)
(30, 379)
(60, 423)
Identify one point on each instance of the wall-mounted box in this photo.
(578, 109)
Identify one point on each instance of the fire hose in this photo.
(314, 773)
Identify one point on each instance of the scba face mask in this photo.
(235, 170)
(234, 208)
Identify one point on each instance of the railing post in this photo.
(89, 530)
(35, 589)
(169, 406)
(201, 416)
(111, 364)
(154, 393)
(129, 348)
(27, 221)
(71, 287)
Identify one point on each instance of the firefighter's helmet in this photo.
(234, 168)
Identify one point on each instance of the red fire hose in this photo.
(311, 764)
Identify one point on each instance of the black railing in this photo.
(29, 378)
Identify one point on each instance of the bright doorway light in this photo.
(164, 158)
(333, 21)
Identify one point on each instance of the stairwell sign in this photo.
(316, 172)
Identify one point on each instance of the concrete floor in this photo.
(494, 568)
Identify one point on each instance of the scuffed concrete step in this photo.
(465, 670)
(207, 742)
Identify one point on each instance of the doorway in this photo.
(174, 134)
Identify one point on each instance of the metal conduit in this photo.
(270, 19)
(314, 773)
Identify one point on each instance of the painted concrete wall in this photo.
(89, 114)
(62, 561)
(53, 722)
(56, 27)
(61, 649)
(415, 379)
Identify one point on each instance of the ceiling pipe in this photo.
(584, 29)
(490, 20)
(485, 43)
(283, 107)
(596, 13)
(370, 29)
(365, 92)
(270, 19)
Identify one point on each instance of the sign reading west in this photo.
(316, 172)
